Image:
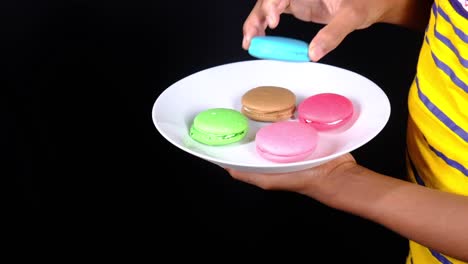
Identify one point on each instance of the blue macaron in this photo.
(279, 48)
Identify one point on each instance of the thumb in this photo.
(330, 36)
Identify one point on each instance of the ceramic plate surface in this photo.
(224, 85)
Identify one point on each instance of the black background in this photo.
(77, 140)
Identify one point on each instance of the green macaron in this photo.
(219, 126)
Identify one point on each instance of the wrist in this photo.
(331, 179)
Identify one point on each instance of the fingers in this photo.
(280, 181)
(304, 181)
(330, 36)
(263, 181)
(273, 9)
(254, 25)
(266, 13)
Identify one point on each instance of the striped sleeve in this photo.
(437, 136)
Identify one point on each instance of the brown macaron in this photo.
(269, 103)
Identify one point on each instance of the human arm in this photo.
(342, 17)
(433, 218)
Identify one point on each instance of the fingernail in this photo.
(244, 42)
(315, 53)
(271, 21)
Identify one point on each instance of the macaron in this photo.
(286, 141)
(325, 111)
(268, 103)
(219, 126)
(279, 48)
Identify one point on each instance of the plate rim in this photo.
(273, 166)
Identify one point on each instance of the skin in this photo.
(340, 16)
(436, 219)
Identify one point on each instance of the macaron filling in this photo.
(268, 103)
(324, 124)
(255, 112)
(286, 141)
(211, 137)
(283, 158)
(325, 111)
(219, 126)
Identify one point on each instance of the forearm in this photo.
(412, 14)
(433, 218)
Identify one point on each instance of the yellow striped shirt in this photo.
(437, 137)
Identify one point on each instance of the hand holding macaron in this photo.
(339, 16)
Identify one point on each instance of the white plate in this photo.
(223, 86)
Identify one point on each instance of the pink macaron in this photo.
(325, 111)
(286, 141)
